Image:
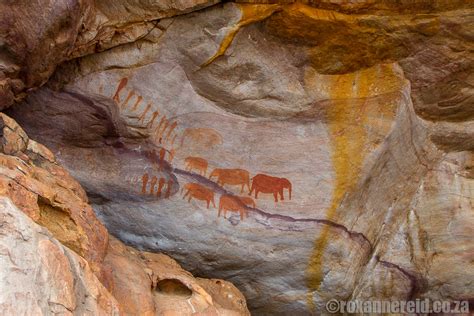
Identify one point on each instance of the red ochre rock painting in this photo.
(231, 177)
(238, 204)
(267, 184)
(149, 184)
(202, 137)
(199, 192)
(197, 164)
(163, 133)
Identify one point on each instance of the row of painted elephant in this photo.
(227, 202)
(261, 183)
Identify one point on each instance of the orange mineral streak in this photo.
(251, 13)
(349, 118)
(317, 14)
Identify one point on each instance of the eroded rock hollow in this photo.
(302, 151)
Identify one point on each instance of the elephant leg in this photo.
(256, 194)
(275, 195)
(189, 200)
(281, 195)
(213, 204)
(242, 189)
(208, 202)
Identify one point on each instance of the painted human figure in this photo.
(168, 189)
(162, 158)
(161, 184)
(144, 182)
(152, 184)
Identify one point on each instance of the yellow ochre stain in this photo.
(316, 13)
(301, 20)
(347, 118)
(250, 13)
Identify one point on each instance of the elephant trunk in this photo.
(289, 191)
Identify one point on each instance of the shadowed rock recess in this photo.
(303, 151)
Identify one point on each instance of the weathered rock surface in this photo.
(40, 276)
(365, 107)
(68, 266)
(33, 180)
(36, 36)
(154, 284)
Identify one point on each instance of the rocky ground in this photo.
(364, 107)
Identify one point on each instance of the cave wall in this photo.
(365, 109)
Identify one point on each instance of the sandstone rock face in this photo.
(68, 266)
(36, 36)
(40, 276)
(154, 284)
(349, 122)
(32, 179)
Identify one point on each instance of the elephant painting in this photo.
(268, 184)
(233, 204)
(196, 163)
(199, 192)
(232, 177)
